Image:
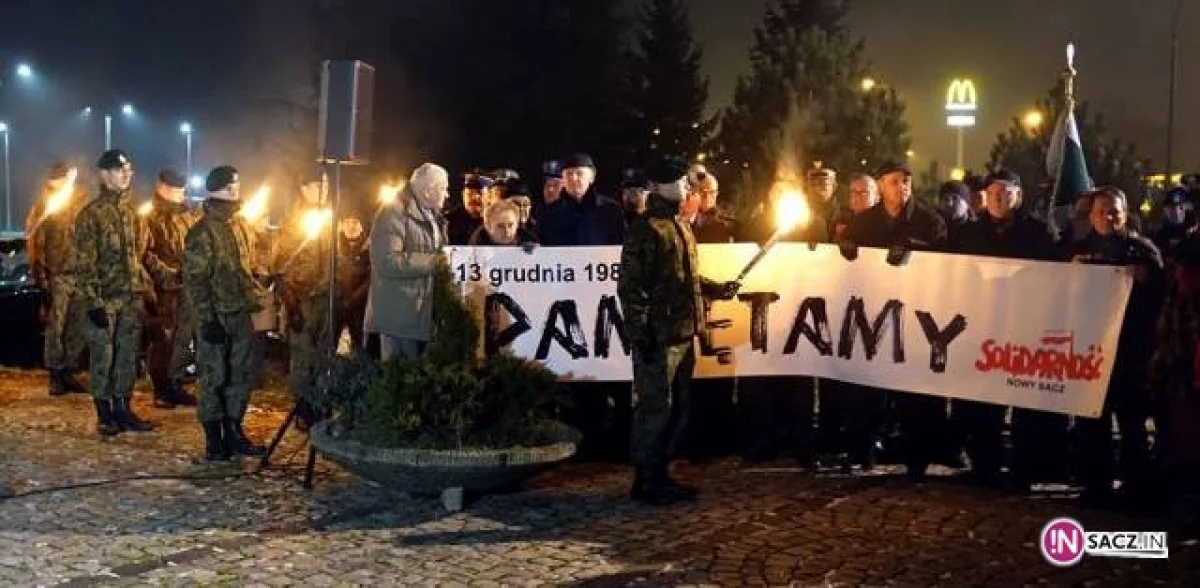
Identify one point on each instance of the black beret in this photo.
(578, 160)
(975, 182)
(220, 178)
(172, 178)
(1003, 175)
(667, 169)
(551, 169)
(58, 170)
(113, 159)
(893, 166)
(955, 188)
(515, 187)
(821, 172)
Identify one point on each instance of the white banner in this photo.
(1031, 334)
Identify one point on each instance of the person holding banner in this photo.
(778, 410)
(902, 223)
(1004, 229)
(1112, 242)
(663, 299)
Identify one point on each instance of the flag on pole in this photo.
(1064, 159)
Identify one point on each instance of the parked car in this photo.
(20, 300)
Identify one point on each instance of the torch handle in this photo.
(762, 252)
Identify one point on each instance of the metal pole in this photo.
(7, 186)
(959, 157)
(334, 332)
(188, 136)
(1171, 93)
(107, 132)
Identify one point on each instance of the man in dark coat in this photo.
(582, 217)
(901, 223)
(1005, 230)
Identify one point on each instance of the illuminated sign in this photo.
(961, 102)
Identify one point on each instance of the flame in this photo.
(146, 208)
(58, 200)
(256, 206)
(315, 221)
(791, 209)
(389, 192)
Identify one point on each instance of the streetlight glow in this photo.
(196, 182)
(24, 70)
(185, 128)
(868, 84)
(127, 109)
(86, 112)
(3, 127)
(1033, 119)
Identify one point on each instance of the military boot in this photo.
(164, 397)
(180, 395)
(127, 420)
(214, 445)
(57, 386)
(106, 424)
(236, 442)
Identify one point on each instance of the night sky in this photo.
(1015, 51)
(234, 67)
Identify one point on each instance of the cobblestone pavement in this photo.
(573, 526)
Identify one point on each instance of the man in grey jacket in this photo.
(406, 239)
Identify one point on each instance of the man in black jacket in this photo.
(1113, 243)
(581, 217)
(901, 223)
(1005, 230)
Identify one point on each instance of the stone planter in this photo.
(432, 472)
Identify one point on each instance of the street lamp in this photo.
(961, 103)
(1032, 120)
(24, 70)
(186, 129)
(126, 109)
(7, 179)
(868, 84)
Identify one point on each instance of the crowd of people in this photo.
(212, 280)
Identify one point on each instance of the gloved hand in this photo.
(898, 255)
(529, 246)
(848, 249)
(98, 317)
(296, 322)
(213, 333)
(729, 290)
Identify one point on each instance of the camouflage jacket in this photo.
(51, 237)
(168, 225)
(217, 272)
(660, 291)
(303, 264)
(110, 239)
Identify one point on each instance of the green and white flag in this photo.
(1064, 161)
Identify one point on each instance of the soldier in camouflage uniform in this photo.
(663, 299)
(110, 242)
(219, 282)
(303, 265)
(51, 238)
(170, 329)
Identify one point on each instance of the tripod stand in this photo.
(327, 340)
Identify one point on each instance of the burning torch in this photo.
(389, 192)
(256, 206)
(59, 199)
(791, 210)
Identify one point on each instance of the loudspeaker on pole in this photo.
(347, 109)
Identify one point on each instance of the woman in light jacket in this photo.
(406, 239)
